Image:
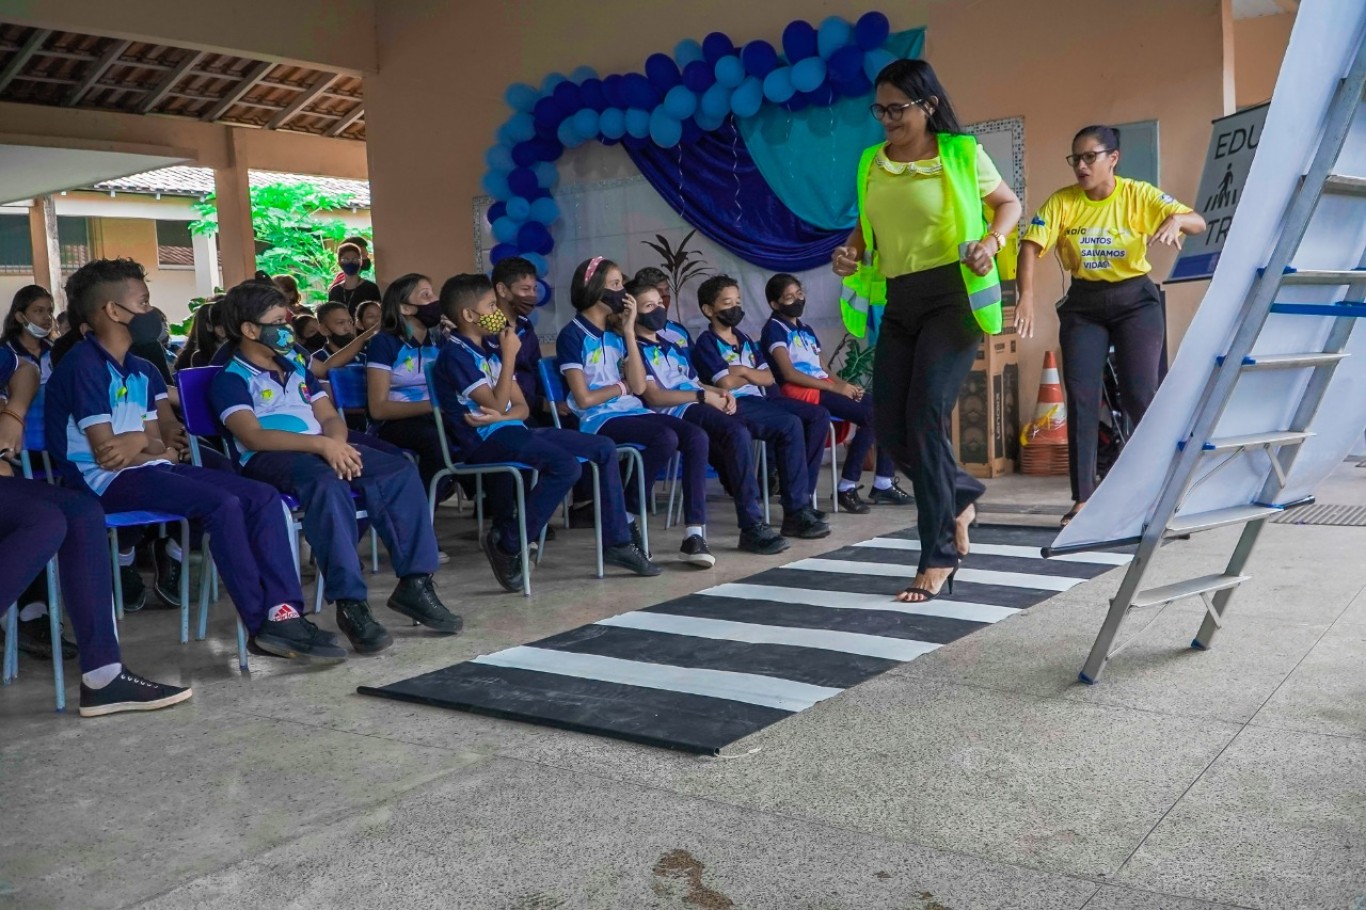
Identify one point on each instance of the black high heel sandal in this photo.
(926, 594)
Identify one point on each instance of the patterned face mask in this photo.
(493, 323)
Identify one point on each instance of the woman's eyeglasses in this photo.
(892, 112)
(1089, 157)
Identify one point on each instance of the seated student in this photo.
(352, 290)
(605, 400)
(39, 521)
(514, 281)
(730, 360)
(795, 353)
(343, 345)
(289, 286)
(485, 407)
(396, 360)
(367, 316)
(28, 328)
(674, 332)
(308, 335)
(103, 434)
(206, 335)
(672, 387)
(286, 432)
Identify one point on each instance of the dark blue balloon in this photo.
(535, 237)
(568, 97)
(824, 96)
(698, 76)
(715, 46)
(593, 95)
(760, 58)
(691, 131)
(547, 149)
(522, 181)
(859, 85)
(496, 211)
(635, 142)
(662, 72)
(799, 102)
(871, 30)
(612, 88)
(799, 40)
(502, 251)
(844, 64)
(640, 93)
(524, 153)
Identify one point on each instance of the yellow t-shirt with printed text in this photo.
(1107, 239)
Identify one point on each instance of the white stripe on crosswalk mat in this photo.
(976, 576)
(756, 634)
(768, 691)
(1005, 549)
(844, 600)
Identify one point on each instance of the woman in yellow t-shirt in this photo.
(1102, 227)
(928, 337)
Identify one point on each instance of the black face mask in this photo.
(315, 343)
(730, 317)
(654, 320)
(342, 341)
(793, 310)
(144, 328)
(615, 300)
(429, 314)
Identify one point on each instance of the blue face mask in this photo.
(279, 338)
(351, 268)
(615, 300)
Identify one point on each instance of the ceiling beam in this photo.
(347, 119)
(23, 56)
(163, 88)
(1289, 6)
(305, 97)
(253, 75)
(97, 70)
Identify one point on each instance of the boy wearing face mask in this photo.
(352, 290)
(731, 360)
(514, 283)
(795, 352)
(343, 346)
(485, 406)
(103, 433)
(285, 431)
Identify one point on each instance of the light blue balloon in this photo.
(547, 174)
(519, 210)
(499, 158)
(545, 210)
(583, 73)
(521, 127)
(707, 123)
(569, 137)
(505, 230)
(778, 86)
(586, 123)
(550, 81)
(833, 34)
(809, 74)
(730, 71)
(680, 102)
(638, 122)
(875, 61)
(521, 97)
(496, 184)
(686, 51)
(612, 123)
(748, 98)
(537, 260)
(665, 131)
(716, 102)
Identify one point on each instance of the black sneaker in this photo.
(581, 515)
(507, 567)
(850, 501)
(297, 639)
(892, 496)
(134, 591)
(630, 556)
(35, 639)
(367, 636)
(130, 692)
(763, 540)
(820, 516)
(696, 552)
(415, 597)
(638, 539)
(804, 525)
(167, 584)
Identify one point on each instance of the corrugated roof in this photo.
(182, 180)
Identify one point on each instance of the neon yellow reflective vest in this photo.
(867, 288)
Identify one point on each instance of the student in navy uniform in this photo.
(514, 282)
(484, 404)
(674, 331)
(102, 432)
(343, 345)
(28, 327)
(605, 399)
(287, 433)
(795, 353)
(396, 359)
(368, 316)
(728, 359)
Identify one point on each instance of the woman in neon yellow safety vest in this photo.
(925, 197)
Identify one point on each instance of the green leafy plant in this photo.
(855, 359)
(679, 263)
(183, 328)
(295, 234)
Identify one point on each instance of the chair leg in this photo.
(374, 549)
(206, 573)
(11, 660)
(185, 581)
(763, 472)
(834, 472)
(521, 533)
(479, 503)
(318, 586)
(118, 578)
(597, 514)
(643, 517)
(242, 660)
(675, 468)
(54, 618)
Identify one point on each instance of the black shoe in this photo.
(850, 501)
(696, 552)
(130, 692)
(761, 539)
(804, 525)
(167, 584)
(415, 597)
(507, 567)
(297, 639)
(35, 639)
(820, 516)
(638, 539)
(134, 591)
(581, 515)
(892, 496)
(365, 633)
(630, 556)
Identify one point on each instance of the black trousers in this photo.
(925, 349)
(1097, 314)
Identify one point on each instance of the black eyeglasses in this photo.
(892, 112)
(1089, 157)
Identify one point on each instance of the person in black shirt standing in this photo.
(353, 290)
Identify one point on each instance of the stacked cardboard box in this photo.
(986, 423)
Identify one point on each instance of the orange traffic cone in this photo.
(1043, 440)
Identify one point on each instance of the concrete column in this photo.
(206, 275)
(236, 241)
(47, 250)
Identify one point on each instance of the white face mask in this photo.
(36, 330)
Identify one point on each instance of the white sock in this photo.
(846, 485)
(882, 483)
(173, 549)
(630, 518)
(699, 530)
(32, 611)
(102, 676)
(126, 559)
(281, 613)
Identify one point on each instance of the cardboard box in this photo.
(986, 423)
